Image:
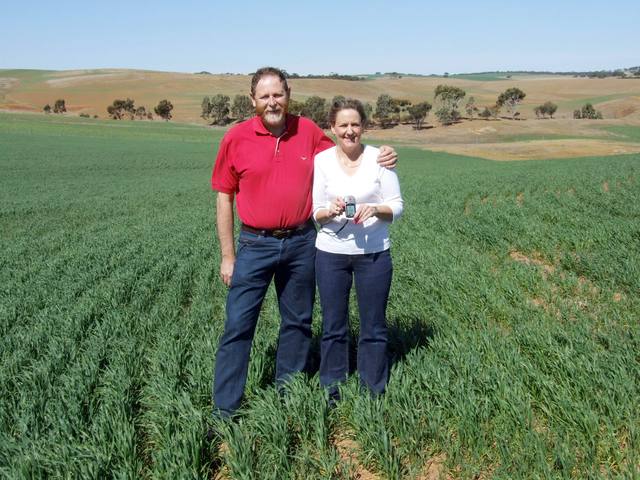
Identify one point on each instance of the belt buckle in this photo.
(280, 233)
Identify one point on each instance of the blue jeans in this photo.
(334, 274)
(259, 259)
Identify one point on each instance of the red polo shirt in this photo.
(271, 177)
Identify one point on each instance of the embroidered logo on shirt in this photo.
(303, 158)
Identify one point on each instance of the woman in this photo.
(353, 246)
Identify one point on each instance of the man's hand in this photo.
(388, 157)
(226, 270)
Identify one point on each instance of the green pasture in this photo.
(579, 102)
(526, 137)
(629, 133)
(625, 133)
(513, 318)
(27, 76)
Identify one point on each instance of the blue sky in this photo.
(338, 36)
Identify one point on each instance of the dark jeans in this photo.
(259, 259)
(334, 274)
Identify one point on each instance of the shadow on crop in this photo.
(404, 336)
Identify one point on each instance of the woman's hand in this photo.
(364, 212)
(336, 208)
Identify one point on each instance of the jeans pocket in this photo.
(247, 240)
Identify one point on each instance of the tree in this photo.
(338, 98)
(368, 111)
(588, 112)
(449, 98)
(401, 111)
(549, 108)
(242, 107)
(418, 113)
(47, 108)
(385, 108)
(163, 109)
(538, 111)
(59, 106)
(510, 98)
(447, 116)
(219, 109)
(295, 107)
(141, 112)
(119, 108)
(470, 107)
(486, 113)
(315, 108)
(206, 108)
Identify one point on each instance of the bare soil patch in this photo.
(434, 468)
(628, 107)
(584, 295)
(533, 259)
(347, 449)
(8, 82)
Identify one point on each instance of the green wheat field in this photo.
(514, 320)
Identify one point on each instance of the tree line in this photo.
(126, 108)
(388, 112)
(220, 110)
(121, 109)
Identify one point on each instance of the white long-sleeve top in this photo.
(370, 184)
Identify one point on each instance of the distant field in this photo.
(627, 132)
(513, 319)
(480, 77)
(91, 91)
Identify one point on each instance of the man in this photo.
(266, 165)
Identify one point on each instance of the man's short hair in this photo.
(265, 72)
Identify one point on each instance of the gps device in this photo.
(350, 206)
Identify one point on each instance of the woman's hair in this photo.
(347, 104)
(265, 72)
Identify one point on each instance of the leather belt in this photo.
(277, 232)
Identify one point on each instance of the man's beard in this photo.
(273, 118)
